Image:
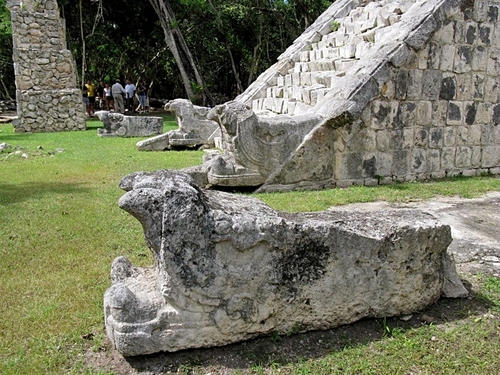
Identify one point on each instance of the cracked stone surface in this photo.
(474, 226)
(229, 268)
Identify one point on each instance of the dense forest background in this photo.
(205, 50)
(7, 86)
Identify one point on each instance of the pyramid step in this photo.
(279, 106)
(319, 65)
(327, 79)
(303, 79)
(297, 108)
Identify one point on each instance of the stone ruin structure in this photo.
(228, 268)
(120, 125)
(195, 130)
(46, 81)
(373, 92)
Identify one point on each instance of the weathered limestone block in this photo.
(396, 67)
(253, 146)
(119, 125)
(194, 128)
(228, 267)
(157, 143)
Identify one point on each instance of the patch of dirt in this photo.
(476, 249)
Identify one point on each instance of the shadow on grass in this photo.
(93, 125)
(292, 349)
(14, 193)
(14, 137)
(398, 186)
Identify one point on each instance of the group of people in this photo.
(116, 97)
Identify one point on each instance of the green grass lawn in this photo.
(61, 228)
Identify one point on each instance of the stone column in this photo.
(48, 98)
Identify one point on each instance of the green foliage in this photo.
(295, 329)
(491, 291)
(492, 285)
(275, 337)
(388, 331)
(5, 25)
(128, 41)
(6, 65)
(335, 26)
(174, 24)
(426, 350)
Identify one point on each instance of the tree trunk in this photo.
(7, 95)
(84, 67)
(191, 78)
(220, 26)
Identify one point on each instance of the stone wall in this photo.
(47, 95)
(405, 90)
(437, 115)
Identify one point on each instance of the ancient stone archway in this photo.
(46, 81)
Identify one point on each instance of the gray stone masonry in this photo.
(119, 125)
(405, 90)
(47, 95)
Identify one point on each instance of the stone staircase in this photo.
(373, 92)
(335, 46)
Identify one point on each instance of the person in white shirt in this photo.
(130, 91)
(108, 98)
(118, 94)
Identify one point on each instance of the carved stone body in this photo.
(195, 129)
(228, 268)
(194, 126)
(119, 125)
(253, 147)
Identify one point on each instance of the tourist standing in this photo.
(108, 95)
(130, 90)
(118, 94)
(100, 95)
(85, 99)
(142, 92)
(91, 92)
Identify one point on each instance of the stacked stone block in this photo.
(436, 116)
(411, 88)
(316, 68)
(47, 95)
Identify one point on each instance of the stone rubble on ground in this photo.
(120, 125)
(9, 151)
